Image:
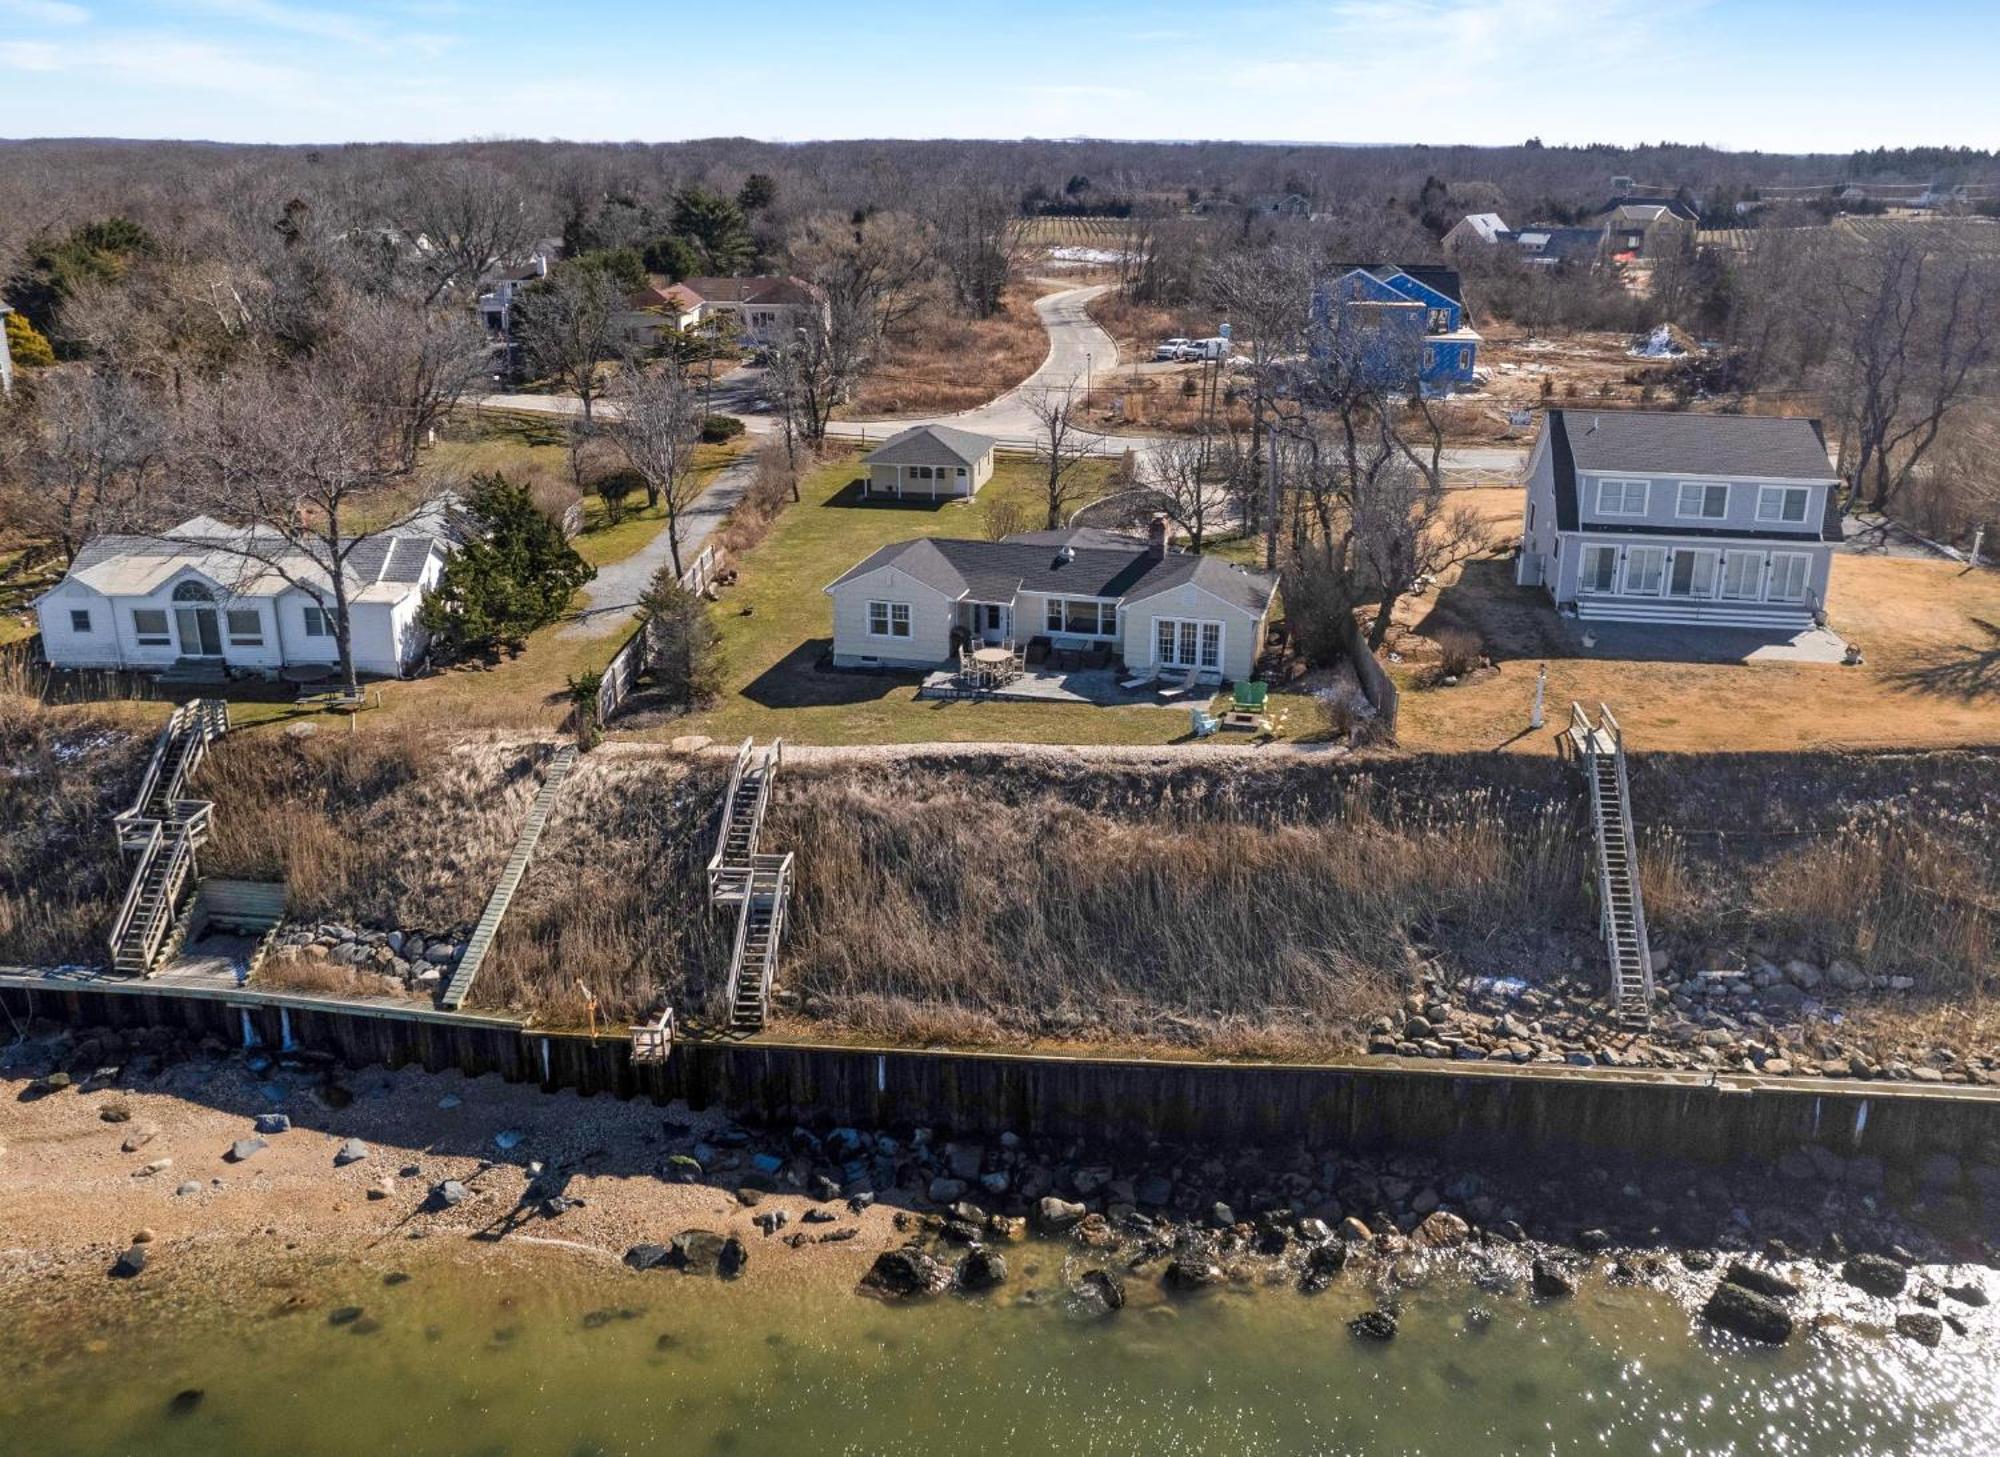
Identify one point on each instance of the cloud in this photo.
(166, 62)
(46, 12)
(299, 20)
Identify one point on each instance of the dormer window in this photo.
(1621, 498)
(1701, 500)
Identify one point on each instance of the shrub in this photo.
(1458, 651)
(717, 429)
(683, 649)
(515, 575)
(614, 490)
(26, 345)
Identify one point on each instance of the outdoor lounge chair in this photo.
(1144, 678)
(1172, 687)
(1202, 723)
(1250, 697)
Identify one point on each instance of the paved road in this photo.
(1076, 343)
(611, 599)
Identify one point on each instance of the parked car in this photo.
(1172, 349)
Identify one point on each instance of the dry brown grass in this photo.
(302, 970)
(384, 827)
(63, 773)
(1136, 327)
(939, 361)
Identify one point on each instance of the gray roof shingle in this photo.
(1648, 442)
(931, 445)
(994, 571)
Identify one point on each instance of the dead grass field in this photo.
(938, 361)
(1930, 632)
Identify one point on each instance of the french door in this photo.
(1185, 642)
(201, 635)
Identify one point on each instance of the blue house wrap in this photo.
(1401, 325)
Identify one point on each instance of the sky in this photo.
(1772, 75)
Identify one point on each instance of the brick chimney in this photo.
(1156, 537)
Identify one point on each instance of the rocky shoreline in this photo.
(139, 1151)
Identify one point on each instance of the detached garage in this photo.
(929, 462)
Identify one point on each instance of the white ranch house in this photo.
(913, 604)
(928, 462)
(1717, 520)
(176, 601)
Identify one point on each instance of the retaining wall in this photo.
(1484, 1110)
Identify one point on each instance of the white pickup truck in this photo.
(1188, 351)
(1171, 349)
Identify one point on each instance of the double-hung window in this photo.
(888, 619)
(319, 622)
(79, 619)
(1703, 501)
(1621, 498)
(1783, 505)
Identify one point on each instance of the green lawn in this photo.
(777, 623)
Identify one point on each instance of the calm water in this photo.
(556, 1359)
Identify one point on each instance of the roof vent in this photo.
(1066, 554)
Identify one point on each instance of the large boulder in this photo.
(898, 1274)
(1441, 1230)
(1192, 1274)
(1374, 1325)
(1097, 1292)
(1551, 1282)
(1876, 1274)
(1745, 1312)
(1767, 1283)
(1920, 1326)
(1057, 1216)
(698, 1251)
(982, 1270)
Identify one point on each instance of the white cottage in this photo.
(1647, 516)
(187, 599)
(927, 462)
(914, 603)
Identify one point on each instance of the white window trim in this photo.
(1755, 592)
(1633, 554)
(1583, 572)
(1221, 643)
(1622, 482)
(1805, 577)
(1060, 605)
(1777, 517)
(889, 611)
(1693, 553)
(153, 638)
(238, 639)
(89, 624)
(1701, 501)
(324, 618)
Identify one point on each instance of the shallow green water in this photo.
(474, 1361)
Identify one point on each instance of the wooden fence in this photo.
(622, 672)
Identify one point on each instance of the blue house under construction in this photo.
(1402, 327)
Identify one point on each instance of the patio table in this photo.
(992, 658)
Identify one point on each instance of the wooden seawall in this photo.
(1483, 1110)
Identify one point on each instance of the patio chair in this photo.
(1202, 723)
(1038, 650)
(1250, 697)
(1098, 657)
(1144, 678)
(1172, 687)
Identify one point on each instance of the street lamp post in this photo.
(1086, 380)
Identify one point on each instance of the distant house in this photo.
(187, 598)
(501, 284)
(1647, 227)
(763, 309)
(1474, 228)
(929, 461)
(914, 603)
(1402, 325)
(1550, 247)
(1715, 520)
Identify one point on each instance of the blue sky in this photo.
(1771, 74)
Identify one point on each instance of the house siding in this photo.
(932, 616)
(1242, 632)
(1662, 506)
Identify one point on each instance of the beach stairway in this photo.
(159, 835)
(1600, 754)
(760, 929)
(743, 806)
(474, 956)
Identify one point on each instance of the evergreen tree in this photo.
(759, 191)
(515, 575)
(715, 226)
(673, 256)
(683, 649)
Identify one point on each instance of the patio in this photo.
(1098, 687)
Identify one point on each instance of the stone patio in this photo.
(1095, 686)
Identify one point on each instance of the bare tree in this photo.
(1184, 475)
(464, 217)
(975, 237)
(303, 458)
(813, 370)
(1062, 444)
(85, 459)
(568, 327)
(876, 267)
(1921, 329)
(1266, 298)
(657, 427)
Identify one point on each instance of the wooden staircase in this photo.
(456, 990)
(758, 885)
(743, 806)
(760, 929)
(1600, 753)
(159, 834)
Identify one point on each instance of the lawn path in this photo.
(611, 600)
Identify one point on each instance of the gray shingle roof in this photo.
(994, 571)
(931, 445)
(1649, 442)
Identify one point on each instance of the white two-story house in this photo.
(1643, 516)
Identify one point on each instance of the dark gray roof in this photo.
(1679, 207)
(1081, 536)
(931, 445)
(1648, 442)
(1430, 275)
(993, 571)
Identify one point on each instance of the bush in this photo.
(614, 490)
(719, 429)
(515, 575)
(1458, 651)
(683, 649)
(25, 344)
